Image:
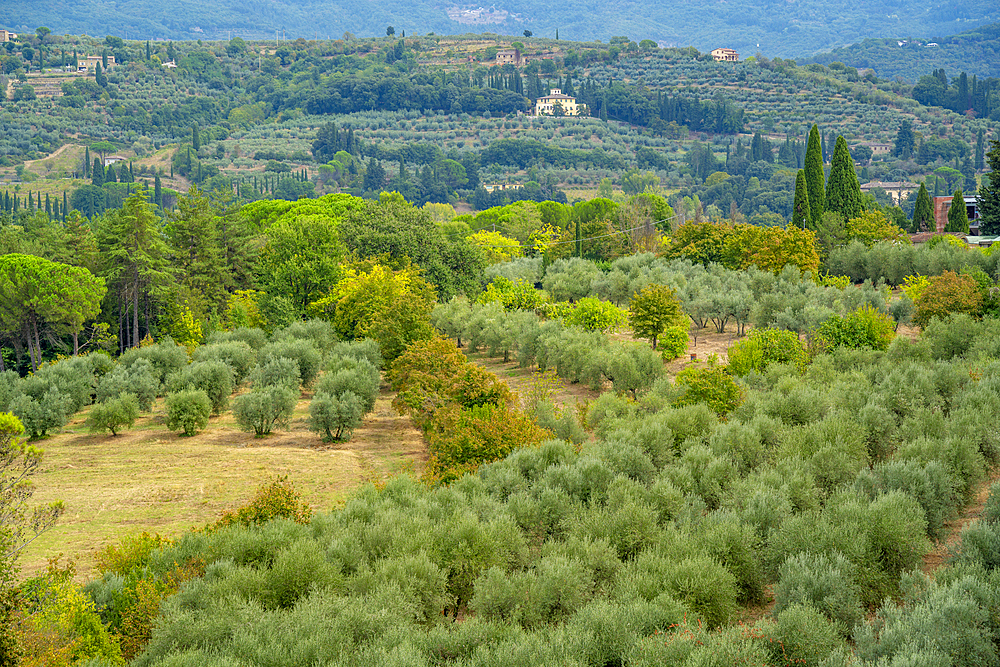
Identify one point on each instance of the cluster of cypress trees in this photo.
(33, 202)
(813, 197)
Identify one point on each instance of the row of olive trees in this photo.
(198, 384)
(646, 545)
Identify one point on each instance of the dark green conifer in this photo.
(814, 176)
(843, 192)
(958, 217)
(923, 212)
(800, 207)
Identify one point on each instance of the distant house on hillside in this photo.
(943, 204)
(170, 64)
(113, 159)
(89, 64)
(896, 189)
(510, 57)
(546, 106)
(722, 55)
(6, 35)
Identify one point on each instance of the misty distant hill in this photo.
(774, 27)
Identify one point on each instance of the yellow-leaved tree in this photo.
(496, 247)
(374, 301)
(872, 227)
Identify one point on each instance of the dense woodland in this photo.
(973, 51)
(774, 506)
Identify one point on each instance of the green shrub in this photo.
(41, 416)
(803, 636)
(367, 349)
(276, 373)
(264, 409)
(277, 499)
(823, 582)
(703, 586)
(165, 358)
(252, 336)
(188, 410)
(138, 379)
(929, 483)
(945, 624)
(596, 315)
(238, 354)
(632, 368)
(763, 347)
(673, 342)
(114, 414)
(712, 386)
(215, 378)
(356, 376)
(991, 512)
(866, 327)
(8, 388)
(303, 351)
(334, 416)
(319, 332)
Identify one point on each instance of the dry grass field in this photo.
(151, 479)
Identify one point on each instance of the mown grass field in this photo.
(151, 479)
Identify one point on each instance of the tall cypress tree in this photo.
(64, 206)
(814, 177)
(98, 173)
(195, 138)
(800, 208)
(988, 197)
(923, 212)
(86, 162)
(958, 217)
(157, 192)
(980, 150)
(843, 192)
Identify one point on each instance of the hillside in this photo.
(975, 51)
(783, 29)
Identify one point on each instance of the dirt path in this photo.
(942, 551)
(59, 151)
(525, 381)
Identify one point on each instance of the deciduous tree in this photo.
(653, 310)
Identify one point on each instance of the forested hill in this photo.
(975, 51)
(775, 28)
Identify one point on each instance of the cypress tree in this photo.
(86, 162)
(48, 205)
(814, 176)
(157, 192)
(958, 217)
(98, 173)
(923, 212)
(980, 150)
(800, 208)
(39, 206)
(65, 206)
(988, 197)
(843, 192)
(149, 53)
(195, 138)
